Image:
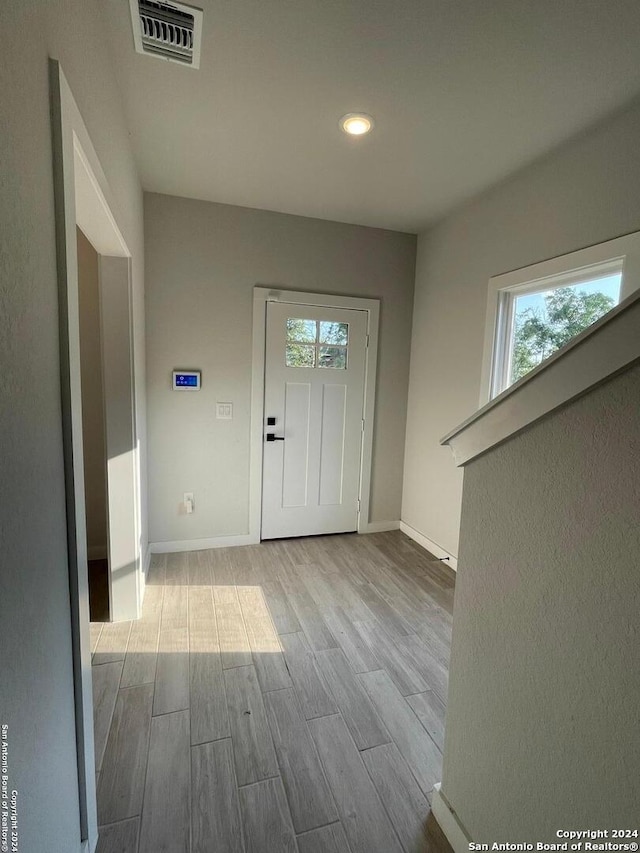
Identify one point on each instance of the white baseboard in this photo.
(202, 544)
(449, 822)
(430, 545)
(97, 552)
(177, 545)
(379, 526)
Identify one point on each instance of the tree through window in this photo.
(544, 322)
(316, 343)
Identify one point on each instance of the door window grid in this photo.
(316, 343)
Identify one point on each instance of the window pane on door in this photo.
(547, 320)
(334, 333)
(303, 331)
(301, 355)
(335, 357)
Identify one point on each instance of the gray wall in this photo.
(35, 628)
(586, 192)
(542, 720)
(203, 261)
(93, 440)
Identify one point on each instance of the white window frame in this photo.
(619, 255)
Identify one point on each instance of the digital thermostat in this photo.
(186, 380)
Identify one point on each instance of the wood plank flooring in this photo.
(286, 697)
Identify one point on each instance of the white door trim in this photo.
(82, 198)
(262, 295)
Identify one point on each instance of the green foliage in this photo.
(301, 355)
(301, 330)
(566, 313)
(302, 343)
(334, 333)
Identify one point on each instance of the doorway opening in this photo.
(93, 428)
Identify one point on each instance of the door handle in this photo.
(271, 436)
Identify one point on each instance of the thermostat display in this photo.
(186, 380)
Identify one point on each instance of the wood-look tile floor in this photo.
(286, 697)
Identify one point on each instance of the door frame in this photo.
(83, 199)
(261, 297)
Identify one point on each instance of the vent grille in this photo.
(167, 30)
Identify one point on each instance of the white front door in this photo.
(313, 406)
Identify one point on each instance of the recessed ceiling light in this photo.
(356, 124)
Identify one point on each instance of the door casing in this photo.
(83, 198)
(261, 296)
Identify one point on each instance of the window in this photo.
(316, 343)
(534, 311)
(539, 317)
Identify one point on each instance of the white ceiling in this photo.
(463, 93)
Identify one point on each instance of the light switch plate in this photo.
(224, 411)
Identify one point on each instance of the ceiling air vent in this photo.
(169, 31)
